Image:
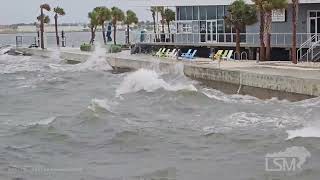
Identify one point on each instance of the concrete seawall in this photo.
(260, 80)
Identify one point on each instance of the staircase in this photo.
(310, 50)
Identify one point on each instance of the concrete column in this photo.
(251, 54)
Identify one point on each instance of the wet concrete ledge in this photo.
(234, 81)
(260, 81)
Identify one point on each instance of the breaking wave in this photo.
(97, 104)
(304, 132)
(149, 81)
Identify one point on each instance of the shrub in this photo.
(115, 49)
(86, 47)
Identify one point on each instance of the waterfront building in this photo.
(201, 23)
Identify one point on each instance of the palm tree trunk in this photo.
(128, 35)
(154, 26)
(93, 35)
(56, 28)
(163, 35)
(238, 43)
(114, 34)
(294, 31)
(267, 29)
(168, 24)
(262, 46)
(42, 29)
(104, 34)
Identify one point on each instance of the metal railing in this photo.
(277, 39)
(34, 41)
(310, 45)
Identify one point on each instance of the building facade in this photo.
(202, 22)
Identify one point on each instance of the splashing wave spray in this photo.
(149, 80)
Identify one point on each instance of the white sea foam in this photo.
(234, 98)
(313, 102)
(42, 122)
(250, 120)
(149, 80)
(100, 103)
(4, 49)
(96, 62)
(304, 132)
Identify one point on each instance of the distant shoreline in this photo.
(29, 32)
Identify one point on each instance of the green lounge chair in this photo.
(224, 55)
(158, 53)
(161, 52)
(228, 57)
(165, 53)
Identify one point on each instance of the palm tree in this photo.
(240, 15)
(117, 15)
(259, 7)
(170, 15)
(93, 16)
(131, 18)
(104, 15)
(269, 6)
(160, 9)
(42, 21)
(154, 11)
(58, 12)
(295, 5)
(46, 19)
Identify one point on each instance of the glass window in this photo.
(313, 14)
(183, 13)
(226, 12)
(318, 25)
(220, 26)
(189, 13)
(185, 27)
(212, 12)
(203, 13)
(178, 13)
(318, 14)
(228, 32)
(196, 13)
(220, 13)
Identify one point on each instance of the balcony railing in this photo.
(250, 39)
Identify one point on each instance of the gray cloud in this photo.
(25, 11)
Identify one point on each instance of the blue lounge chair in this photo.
(187, 53)
(191, 56)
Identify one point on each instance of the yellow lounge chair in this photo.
(218, 54)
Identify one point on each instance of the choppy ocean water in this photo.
(73, 39)
(60, 121)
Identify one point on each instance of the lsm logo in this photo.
(291, 159)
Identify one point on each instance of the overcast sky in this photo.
(25, 11)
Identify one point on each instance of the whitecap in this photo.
(100, 103)
(234, 98)
(304, 132)
(149, 81)
(42, 122)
